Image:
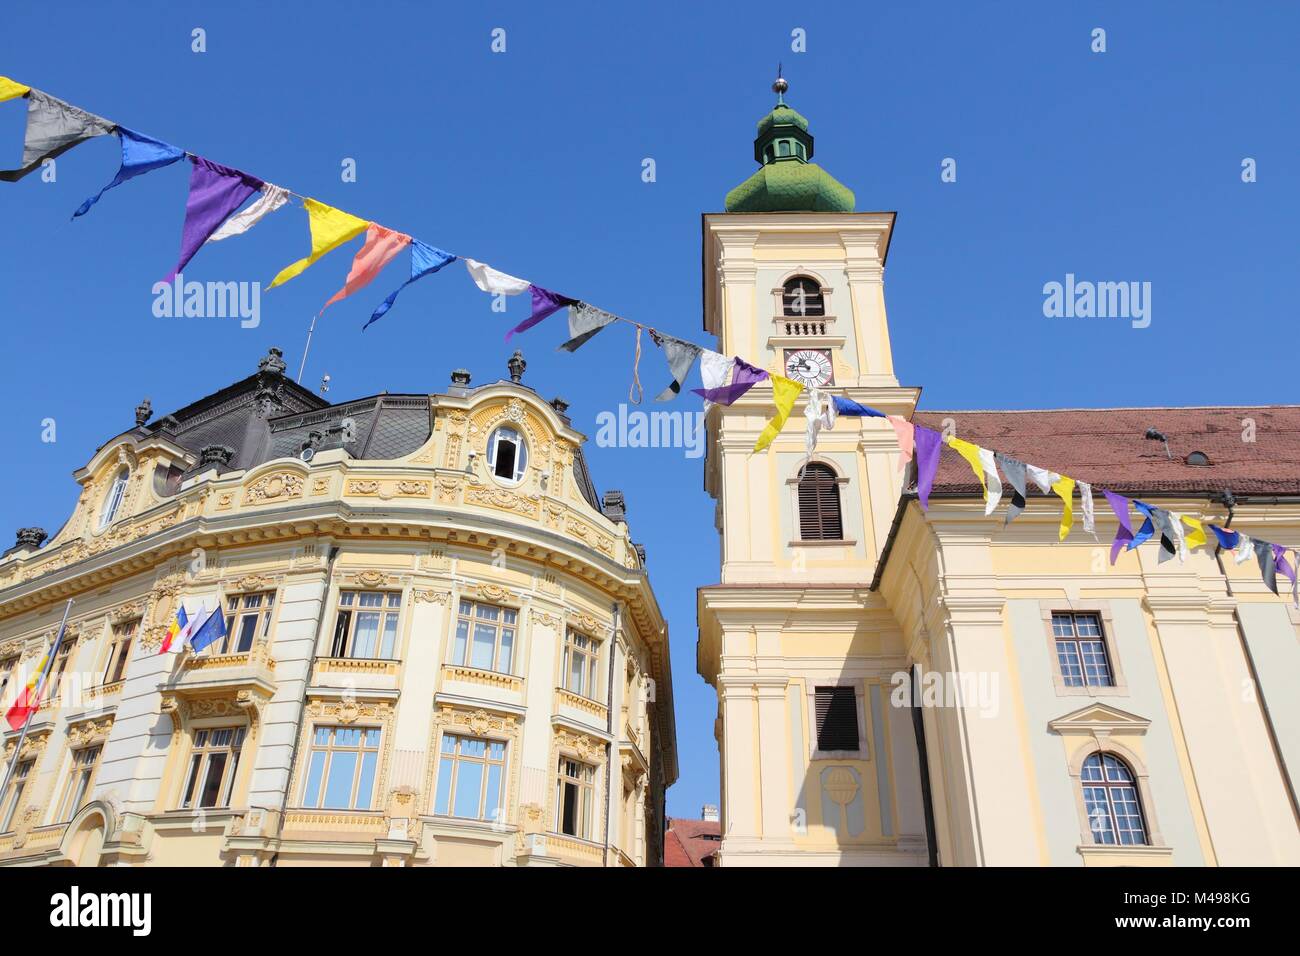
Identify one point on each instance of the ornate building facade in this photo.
(907, 687)
(442, 648)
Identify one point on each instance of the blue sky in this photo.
(1117, 166)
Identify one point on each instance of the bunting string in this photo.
(213, 213)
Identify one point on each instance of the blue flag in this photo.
(1228, 540)
(847, 406)
(140, 154)
(425, 261)
(213, 629)
(1148, 528)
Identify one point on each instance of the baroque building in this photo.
(907, 687)
(442, 648)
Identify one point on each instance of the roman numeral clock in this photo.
(809, 367)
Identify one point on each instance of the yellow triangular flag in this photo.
(330, 228)
(1064, 487)
(1196, 537)
(971, 453)
(9, 89)
(784, 392)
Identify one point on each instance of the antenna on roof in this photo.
(1154, 435)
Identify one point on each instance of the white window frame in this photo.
(472, 619)
(591, 671)
(113, 500)
(486, 814)
(386, 609)
(587, 813)
(78, 772)
(330, 748)
(521, 454)
(198, 763)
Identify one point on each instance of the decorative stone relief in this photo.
(432, 596)
(280, 486)
(502, 499)
(584, 746)
(386, 490)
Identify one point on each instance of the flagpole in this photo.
(40, 686)
(307, 347)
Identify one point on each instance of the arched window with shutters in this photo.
(819, 504)
(802, 297)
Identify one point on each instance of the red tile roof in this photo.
(1106, 447)
(689, 842)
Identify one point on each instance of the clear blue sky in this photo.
(1117, 166)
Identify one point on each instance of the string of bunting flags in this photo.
(213, 213)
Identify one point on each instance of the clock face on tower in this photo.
(811, 368)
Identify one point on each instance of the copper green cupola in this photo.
(786, 181)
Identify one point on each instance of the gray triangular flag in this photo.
(1164, 524)
(1014, 470)
(1267, 563)
(681, 356)
(584, 322)
(53, 128)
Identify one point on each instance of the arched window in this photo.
(1110, 798)
(803, 297)
(113, 501)
(819, 504)
(507, 455)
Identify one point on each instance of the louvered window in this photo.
(801, 297)
(837, 718)
(819, 504)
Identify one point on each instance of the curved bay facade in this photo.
(441, 647)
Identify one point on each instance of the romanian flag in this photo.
(179, 626)
(29, 698)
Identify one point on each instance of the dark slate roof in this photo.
(268, 416)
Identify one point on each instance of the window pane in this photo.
(492, 799)
(339, 646)
(1067, 652)
(187, 794)
(507, 650)
(394, 599)
(445, 768)
(311, 794)
(390, 636)
(462, 638)
(367, 634)
(247, 631)
(338, 787)
(469, 789)
(212, 780)
(576, 670)
(484, 644)
(366, 786)
(372, 599)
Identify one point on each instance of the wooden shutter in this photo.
(837, 718)
(819, 504)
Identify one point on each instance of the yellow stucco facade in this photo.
(360, 737)
(937, 627)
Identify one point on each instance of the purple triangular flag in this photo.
(928, 445)
(1124, 534)
(743, 377)
(545, 302)
(215, 192)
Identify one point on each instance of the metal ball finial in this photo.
(779, 86)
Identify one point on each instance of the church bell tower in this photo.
(814, 769)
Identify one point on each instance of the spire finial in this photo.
(779, 86)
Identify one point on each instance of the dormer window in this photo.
(1198, 458)
(113, 501)
(802, 297)
(507, 455)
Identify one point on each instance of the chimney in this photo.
(709, 813)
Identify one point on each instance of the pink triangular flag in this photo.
(380, 247)
(906, 439)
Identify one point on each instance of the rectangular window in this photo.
(575, 798)
(341, 768)
(119, 651)
(213, 765)
(55, 680)
(14, 795)
(1081, 650)
(6, 674)
(366, 625)
(579, 676)
(470, 775)
(837, 718)
(81, 777)
(485, 637)
(248, 620)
